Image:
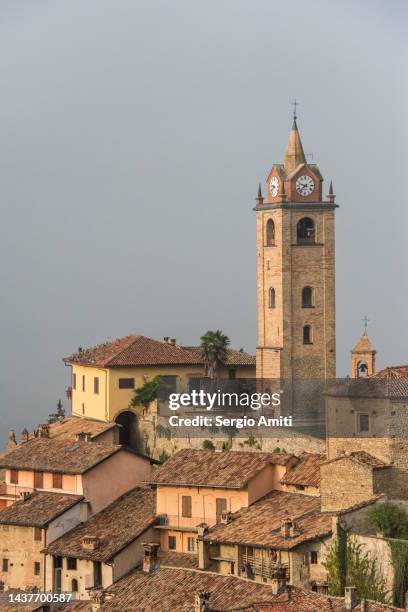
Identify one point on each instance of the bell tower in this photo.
(295, 270)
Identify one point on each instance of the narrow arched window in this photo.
(74, 586)
(272, 299)
(306, 231)
(270, 233)
(307, 297)
(307, 334)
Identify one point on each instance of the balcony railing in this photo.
(176, 521)
(263, 567)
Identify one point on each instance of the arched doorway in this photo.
(128, 430)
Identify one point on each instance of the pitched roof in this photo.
(169, 589)
(57, 455)
(396, 372)
(299, 600)
(115, 527)
(72, 425)
(140, 351)
(234, 357)
(306, 472)
(363, 345)
(361, 457)
(39, 509)
(260, 523)
(206, 468)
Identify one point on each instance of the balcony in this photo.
(259, 566)
(183, 523)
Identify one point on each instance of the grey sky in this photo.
(133, 135)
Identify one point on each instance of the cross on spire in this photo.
(366, 321)
(295, 103)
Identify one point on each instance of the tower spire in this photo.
(294, 154)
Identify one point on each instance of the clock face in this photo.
(274, 186)
(304, 185)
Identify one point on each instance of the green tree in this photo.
(390, 519)
(348, 565)
(145, 394)
(214, 351)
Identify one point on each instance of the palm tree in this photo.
(214, 351)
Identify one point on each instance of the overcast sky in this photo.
(133, 135)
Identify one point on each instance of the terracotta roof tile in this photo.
(260, 524)
(115, 527)
(140, 351)
(361, 457)
(171, 589)
(39, 509)
(70, 426)
(306, 472)
(229, 469)
(57, 455)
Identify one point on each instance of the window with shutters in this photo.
(96, 385)
(14, 476)
(313, 557)
(37, 568)
(74, 381)
(83, 383)
(57, 481)
(37, 534)
(191, 544)
(186, 506)
(221, 506)
(5, 565)
(172, 543)
(38, 480)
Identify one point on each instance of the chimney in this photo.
(226, 517)
(43, 430)
(219, 446)
(26, 495)
(202, 529)
(278, 585)
(350, 597)
(293, 530)
(173, 341)
(286, 528)
(150, 559)
(25, 436)
(83, 436)
(11, 442)
(202, 601)
(90, 542)
(166, 339)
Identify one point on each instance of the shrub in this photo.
(208, 445)
(390, 519)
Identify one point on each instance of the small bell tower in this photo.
(363, 356)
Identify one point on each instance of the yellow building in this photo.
(104, 377)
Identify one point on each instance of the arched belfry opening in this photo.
(363, 356)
